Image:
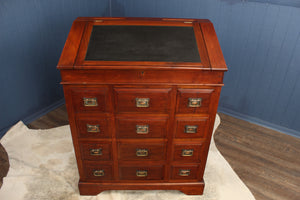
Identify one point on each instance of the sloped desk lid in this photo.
(119, 43)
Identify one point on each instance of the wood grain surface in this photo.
(267, 161)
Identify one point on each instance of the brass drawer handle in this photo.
(99, 172)
(142, 102)
(142, 129)
(141, 173)
(141, 152)
(191, 129)
(96, 152)
(92, 128)
(90, 102)
(187, 152)
(184, 172)
(194, 102)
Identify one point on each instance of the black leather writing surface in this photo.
(142, 43)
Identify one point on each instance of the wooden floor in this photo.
(267, 161)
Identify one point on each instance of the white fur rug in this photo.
(42, 166)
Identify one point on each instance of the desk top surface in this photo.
(142, 43)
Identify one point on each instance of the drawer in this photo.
(191, 127)
(193, 100)
(141, 127)
(95, 151)
(142, 100)
(90, 99)
(141, 151)
(187, 152)
(97, 171)
(184, 172)
(93, 127)
(141, 172)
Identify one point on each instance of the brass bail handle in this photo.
(90, 102)
(141, 173)
(184, 172)
(194, 102)
(187, 152)
(142, 102)
(93, 128)
(99, 172)
(96, 152)
(142, 152)
(191, 129)
(142, 129)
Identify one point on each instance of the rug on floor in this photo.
(43, 166)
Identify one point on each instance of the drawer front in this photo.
(184, 172)
(95, 151)
(141, 173)
(141, 151)
(93, 127)
(141, 127)
(90, 99)
(142, 100)
(98, 171)
(187, 152)
(191, 127)
(193, 100)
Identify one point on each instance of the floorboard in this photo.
(267, 161)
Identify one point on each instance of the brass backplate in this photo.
(99, 172)
(142, 129)
(141, 152)
(90, 102)
(93, 128)
(194, 102)
(191, 129)
(142, 102)
(141, 173)
(184, 172)
(187, 152)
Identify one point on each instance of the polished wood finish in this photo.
(143, 112)
(99, 94)
(125, 100)
(183, 100)
(237, 140)
(213, 48)
(199, 126)
(187, 152)
(156, 126)
(190, 188)
(143, 75)
(91, 167)
(130, 151)
(142, 172)
(71, 46)
(95, 151)
(102, 122)
(184, 172)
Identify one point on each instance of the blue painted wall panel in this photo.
(32, 36)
